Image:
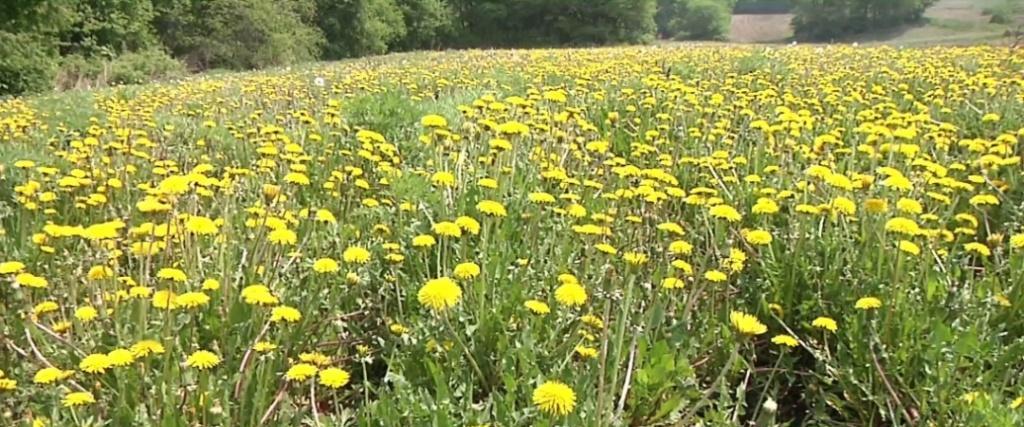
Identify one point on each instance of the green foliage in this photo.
(428, 24)
(110, 27)
(27, 63)
(1003, 12)
(694, 19)
(828, 19)
(554, 22)
(238, 34)
(706, 20)
(81, 72)
(359, 27)
(140, 67)
(763, 6)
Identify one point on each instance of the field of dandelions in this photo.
(661, 236)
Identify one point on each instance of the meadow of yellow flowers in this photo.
(667, 236)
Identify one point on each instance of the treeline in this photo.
(825, 20)
(47, 44)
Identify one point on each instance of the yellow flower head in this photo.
(571, 294)
(826, 323)
(440, 294)
(334, 377)
(868, 303)
(202, 360)
(747, 324)
(554, 398)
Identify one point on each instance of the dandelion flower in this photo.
(210, 285)
(672, 283)
(715, 276)
(172, 274)
(334, 377)
(747, 324)
(468, 224)
(466, 270)
(283, 236)
(571, 294)
(537, 307)
(356, 255)
(202, 360)
(785, 340)
(11, 267)
(96, 363)
(725, 212)
(285, 313)
(868, 303)
(492, 208)
(606, 248)
(909, 247)
(51, 375)
(300, 372)
(191, 299)
(146, 347)
(86, 314)
(30, 280)
(440, 294)
(1017, 241)
(978, 248)
(121, 357)
(447, 229)
(325, 265)
(635, 258)
(433, 121)
(423, 241)
(78, 398)
(758, 237)
(586, 352)
(826, 323)
(554, 398)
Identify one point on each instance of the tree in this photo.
(428, 24)
(828, 19)
(694, 19)
(239, 34)
(359, 27)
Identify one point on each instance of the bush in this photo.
(27, 63)
(144, 66)
(828, 19)
(705, 20)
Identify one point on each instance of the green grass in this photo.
(600, 217)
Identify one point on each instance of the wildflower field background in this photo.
(648, 236)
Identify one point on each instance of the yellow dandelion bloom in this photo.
(334, 377)
(355, 255)
(440, 294)
(868, 303)
(554, 398)
(202, 360)
(537, 307)
(78, 398)
(571, 294)
(301, 372)
(826, 323)
(325, 265)
(786, 340)
(747, 324)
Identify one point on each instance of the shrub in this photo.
(147, 65)
(705, 20)
(27, 63)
